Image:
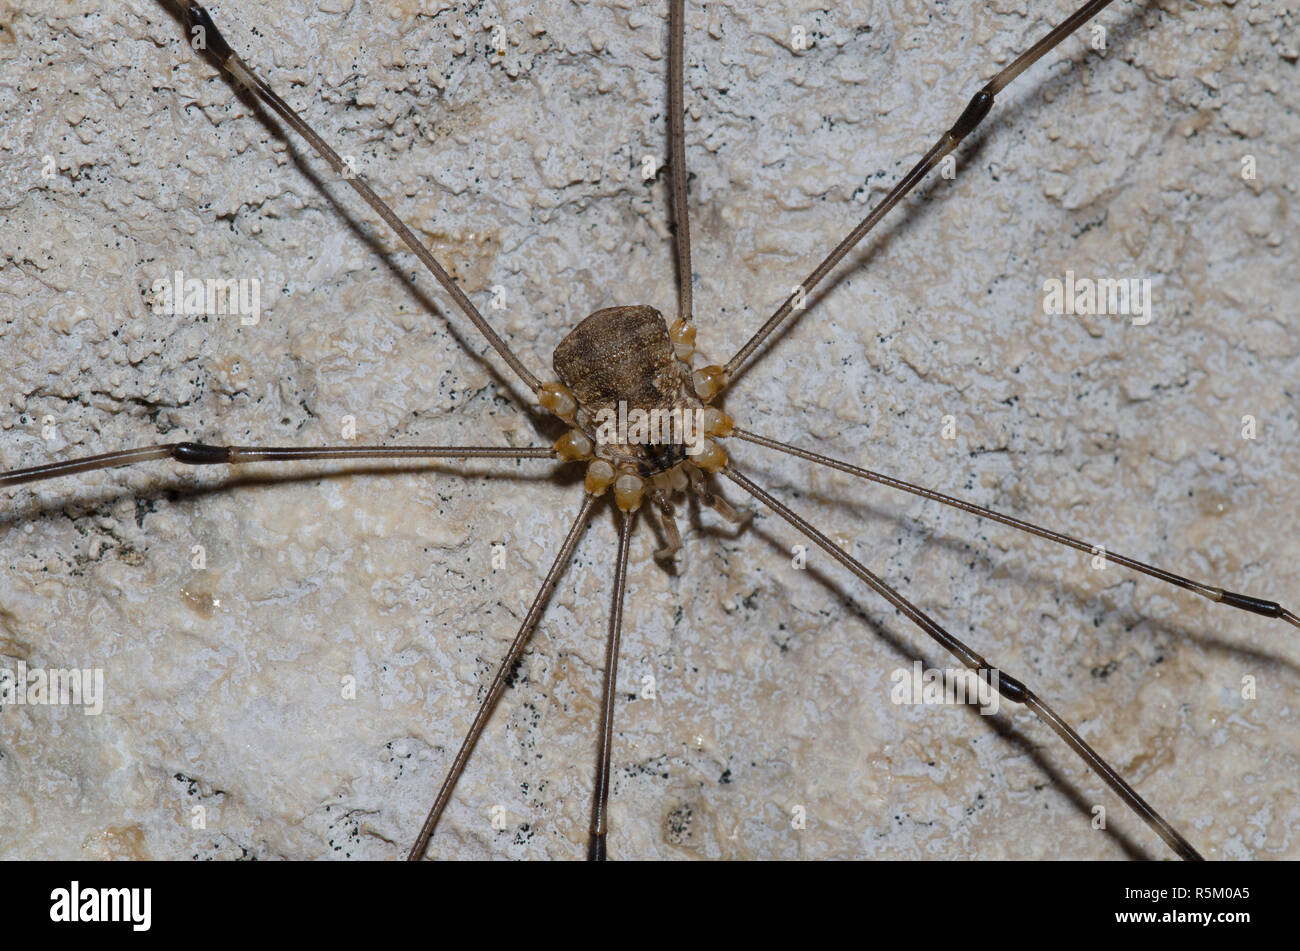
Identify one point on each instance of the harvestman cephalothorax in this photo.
(592, 604)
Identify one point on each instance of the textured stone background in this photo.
(523, 171)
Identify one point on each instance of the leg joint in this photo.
(1011, 688)
(976, 110)
(197, 454)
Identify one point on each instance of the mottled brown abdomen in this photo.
(622, 353)
(625, 354)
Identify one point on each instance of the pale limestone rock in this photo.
(523, 172)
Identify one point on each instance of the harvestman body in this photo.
(630, 355)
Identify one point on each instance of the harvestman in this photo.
(606, 358)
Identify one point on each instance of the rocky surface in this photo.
(302, 692)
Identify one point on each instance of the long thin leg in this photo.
(499, 681)
(1219, 595)
(975, 112)
(600, 793)
(1009, 687)
(205, 35)
(677, 149)
(201, 454)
